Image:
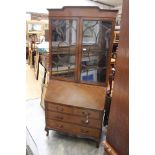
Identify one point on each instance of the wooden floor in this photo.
(33, 87)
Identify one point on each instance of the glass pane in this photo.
(95, 48)
(63, 48)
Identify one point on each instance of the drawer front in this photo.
(57, 125)
(59, 108)
(72, 129)
(89, 113)
(83, 121)
(88, 132)
(73, 110)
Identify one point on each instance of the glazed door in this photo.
(63, 48)
(80, 49)
(95, 50)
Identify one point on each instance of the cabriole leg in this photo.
(97, 144)
(47, 131)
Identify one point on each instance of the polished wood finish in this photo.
(73, 128)
(108, 149)
(80, 14)
(81, 95)
(83, 11)
(75, 108)
(118, 128)
(93, 123)
(72, 106)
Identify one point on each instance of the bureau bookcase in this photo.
(80, 44)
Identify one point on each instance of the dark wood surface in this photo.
(118, 129)
(83, 11)
(72, 128)
(76, 108)
(79, 14)
(108, 149)
(73, 110)
(76, 94)
(69, 118)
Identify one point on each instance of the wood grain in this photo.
(76, 94)
(108, 149)
(118, 129)
(82, 11)
(74, 129)
(73, 107)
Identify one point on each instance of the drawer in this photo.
(57, 125)
(87, 112)
(58, 108)
(83, 121)
(74, 110)
(88, 132)
(72, 129)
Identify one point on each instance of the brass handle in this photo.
(85, 113)
(59, 109)
(59, 125)
(59, 117)
(84, 131)
(85, 121)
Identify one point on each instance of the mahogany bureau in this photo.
(78, 113)
(80, 45)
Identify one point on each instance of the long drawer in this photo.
(73, 110)
(72, 129)
(83, 121)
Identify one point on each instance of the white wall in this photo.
(42, 5)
